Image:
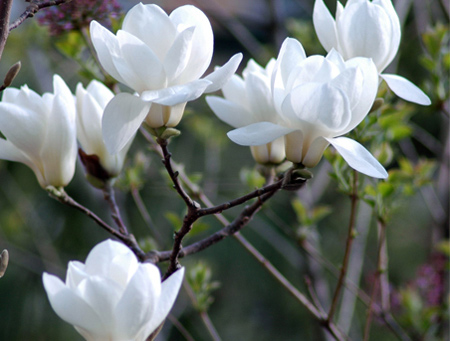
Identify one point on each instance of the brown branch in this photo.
(108, 194)
(5, 13)
(32, 9)
(128, 240)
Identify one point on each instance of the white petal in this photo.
(59, 150)
(315, 152)
(122, 118)
(89, 123)
(358, 157)
(102, 295)
(153, 26)
(106, 45)
(222, 74)
(169, 292)
(234, 91)
(139, 301)
(290, 55)
(139, 67)
(71, 307)
(260, 98)
(99, 259)
(23, 128)
(405, 89)
(177, 94)
(325, 26)
(100, 92)
(75, 274)
(231, 113)
(258, 133)
(178, 56)
(202, 42)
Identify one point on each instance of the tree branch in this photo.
(32, 9)
(128, 240)
(5, 13)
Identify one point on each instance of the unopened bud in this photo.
(170, 132)
(4, 259)
(11, 74)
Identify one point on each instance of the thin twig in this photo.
(33, 8)
(108, 194)
(183, 331)
(128, 240)
(348, 246)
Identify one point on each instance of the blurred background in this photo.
(302, 233)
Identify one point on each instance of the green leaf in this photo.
(174, 219)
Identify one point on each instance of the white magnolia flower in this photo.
(319, 99)
(113, 297)
(91, 103)
(249, 100)
(369, 29)
(40, 132)
(162, 58)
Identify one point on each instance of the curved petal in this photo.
(141, 297)
(358, 157)
(59, 149)
(231, 113)
(325, 26)
(138, 66)
(169, 292)
(89, 123)
(365, 30)
(106, 45)
(222, 74)
(177, 57)
(71, 307)
(290, 55)
(234, 91)
(177, 94)
(75, 274)
(99, 259)
(405, 89)
(100, 92)
(202, 42)
(258, 133)
(315, 152)
(23, 128)
(122, 118)
(153, 26)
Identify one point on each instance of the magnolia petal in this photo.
(100, 92)
(202, 42)
(59, 149)
(101, 256)
(325, 26)
(234, 91)
(405, 89)
(358, 157)
(102, 295)
(140, 297)
(315, 152)
(122, 118)
(71, 307)
(75, 274)
(169, 292)
(177, 94)
(178, 55)
(10, 152)
(89, 124)
(153, 26)
(290, 55)
(368, 91)
(106, 45)
(139, 67)
(231, 113)
(221, 75)
(23, 128)
(258, 133)
(365, 30)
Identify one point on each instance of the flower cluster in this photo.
(75, 15)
